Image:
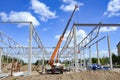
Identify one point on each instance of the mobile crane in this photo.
(55, 66)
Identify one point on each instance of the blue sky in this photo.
(50, 17)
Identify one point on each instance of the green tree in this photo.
(114, 59)
(5, 58)
(119, 60)
(38, 62)
(104, 60)
(94, 60)
(66, 62)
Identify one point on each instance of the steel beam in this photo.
(17, 22)
(90, 24)
(97, 41)
(67, 42)
(90, 37)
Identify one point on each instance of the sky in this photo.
(51, 16)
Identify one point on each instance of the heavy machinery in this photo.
(57, 67)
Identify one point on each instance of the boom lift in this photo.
(55, 66)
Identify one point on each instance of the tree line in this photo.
(103, 60)
(8, 59)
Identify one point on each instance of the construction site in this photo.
(70, 59)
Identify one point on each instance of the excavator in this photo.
(57, 67)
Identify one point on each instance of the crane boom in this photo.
(61, 38)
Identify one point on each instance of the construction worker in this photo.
(13, 69)
(14, 66)
(18, 67)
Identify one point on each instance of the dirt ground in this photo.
(83, 75)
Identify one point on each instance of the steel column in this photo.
(90, 60)
(109, 51)
(75, 48)
(97, 53)
(30, 49)
(0, 58)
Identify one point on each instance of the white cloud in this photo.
(113, 8)
(104, 53)
(108, 29)
(19, 16)
(43, 10)
(65, 36)
(57, 36)
(45, 29)
(80, 34)
(69, 5)
(3, 16)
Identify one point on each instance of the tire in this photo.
(61, 72)
(52, 71)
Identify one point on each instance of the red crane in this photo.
(61, 38)
(51, 61)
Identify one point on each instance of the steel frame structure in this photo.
(14, 45)
(90, 37)
(69, 52)
(108, 39)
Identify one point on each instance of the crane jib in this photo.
(69, 21)
(51, 62)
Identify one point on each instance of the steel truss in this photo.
(38, 41)
(87, 40)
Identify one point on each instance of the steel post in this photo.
(81, 59)
(90, 60)
(0, 58)
(109, 51)
(97, 53)
(75, 49)
(30, 49)
(84, 58)
(43, 62)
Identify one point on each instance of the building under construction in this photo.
(73, 51)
